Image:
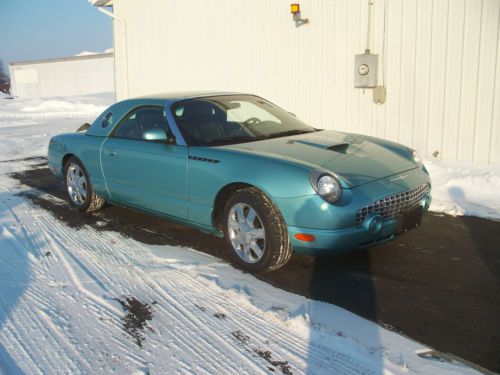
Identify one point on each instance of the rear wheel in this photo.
(255, 232)
(78, 187)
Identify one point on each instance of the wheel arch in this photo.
(65, 159)
(221, 198)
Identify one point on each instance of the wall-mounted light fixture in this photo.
(295, 10)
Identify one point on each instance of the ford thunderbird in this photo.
(242, 168)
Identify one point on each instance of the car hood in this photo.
(355, 158)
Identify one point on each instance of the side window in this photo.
(141, 120)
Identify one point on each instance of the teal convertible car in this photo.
(240, 167)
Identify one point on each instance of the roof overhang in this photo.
(62, 59)
(101, 3)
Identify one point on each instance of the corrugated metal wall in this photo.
(63, 77)
(442, 65)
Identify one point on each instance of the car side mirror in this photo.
(158, 135)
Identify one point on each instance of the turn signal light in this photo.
(295, 8)
(305, 237)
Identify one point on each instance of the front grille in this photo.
(392, 205)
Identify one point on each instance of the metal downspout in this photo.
(124, 24)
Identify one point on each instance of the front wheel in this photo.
(80, 192)
(255, 232)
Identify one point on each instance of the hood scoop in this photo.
(337, 147)
(340, 148)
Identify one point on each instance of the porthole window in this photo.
(106, 121)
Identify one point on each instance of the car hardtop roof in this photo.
(182, 95)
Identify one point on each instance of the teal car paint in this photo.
(179, 167)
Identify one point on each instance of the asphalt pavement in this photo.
(438, 284)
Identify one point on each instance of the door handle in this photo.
(109, 153)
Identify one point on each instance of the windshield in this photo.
(220, 120)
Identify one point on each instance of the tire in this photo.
(78, 187)
(261, 244)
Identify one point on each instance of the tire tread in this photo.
(95, 201)
(282, 253)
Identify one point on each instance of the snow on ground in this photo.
(77, 107)
(82, 301)
(460, 188)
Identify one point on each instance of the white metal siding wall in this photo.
(62, 78)
(442, 69)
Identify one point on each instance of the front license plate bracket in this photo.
(409, 220)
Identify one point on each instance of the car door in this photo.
(144, 173)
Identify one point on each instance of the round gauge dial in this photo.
(363, 69)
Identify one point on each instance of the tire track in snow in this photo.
(59, 248)
(310, 352)
(43, 303)
(12, 340)
(62, 339)
(184, 280)
(187, 344)
(77, 282)
(294, 349)
(213, 335)
(240, 318)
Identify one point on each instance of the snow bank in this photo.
(461, 188)
(26, 125)
(50, 106)
(79, 106)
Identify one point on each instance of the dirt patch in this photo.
(202, 308)
(220, 315)
(31, 158)
(267, 355)
(137, 316)
(241, 337)
(244, 340)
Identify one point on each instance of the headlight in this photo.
(327, 186)
(415, 156)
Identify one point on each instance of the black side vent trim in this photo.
(341, 148)
(204, 159)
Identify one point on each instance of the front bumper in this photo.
(342, 240)
(336, 227)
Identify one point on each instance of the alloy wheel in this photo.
(246, 232)
(76, 184)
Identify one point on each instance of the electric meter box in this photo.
(365, 70)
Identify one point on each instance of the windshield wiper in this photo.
(290, 132)
(232, 139)
(246, 138)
